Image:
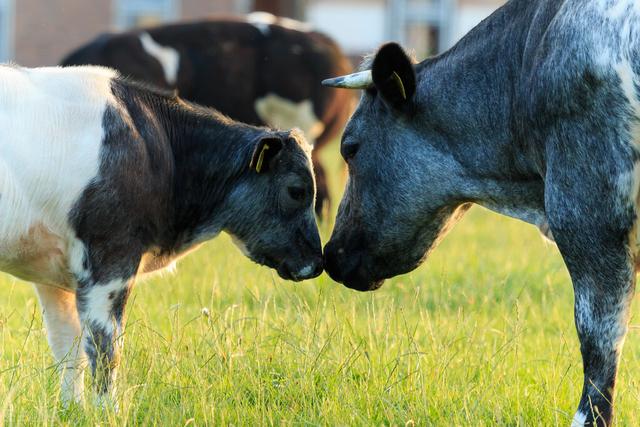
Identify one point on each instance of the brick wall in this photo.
(197, 9)
(46, 30)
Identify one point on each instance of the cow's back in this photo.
(245, 70)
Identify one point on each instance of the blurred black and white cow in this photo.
(263, 71)
(534, 114)
(102, 179)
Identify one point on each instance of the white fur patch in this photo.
(281, 113)
(77, 252)
(168, 57)
(99, 304)
(263, 21)
(628, 84)
(618, 9)
(579, 420)
(292, 24)
(305, 271)
(51, 121)
(629, 183)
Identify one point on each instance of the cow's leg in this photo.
(591, 208)
(101, 309)
(601, 317)
(599, 261)
(63, 332)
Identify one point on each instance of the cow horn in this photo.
(361, 80)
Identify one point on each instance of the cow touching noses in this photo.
(271, 210)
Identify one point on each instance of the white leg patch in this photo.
(168, 57)
(63, 334)
(281, 113)
(579, 420)
(99, 302)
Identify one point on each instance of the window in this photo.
(424, 25)
(6, 30)
(243, 6)
(144, 13)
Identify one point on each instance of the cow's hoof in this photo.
(107, 403)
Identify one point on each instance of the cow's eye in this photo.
(349, 150)
(296, 193)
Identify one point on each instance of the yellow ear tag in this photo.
(398, 81)
(260, 161)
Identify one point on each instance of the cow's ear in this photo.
(265, 151)
(394, 76)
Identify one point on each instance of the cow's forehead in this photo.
(362, 115)
(299, 163)
(301, 141)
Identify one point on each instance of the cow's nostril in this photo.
(304, 272)
(331, 265)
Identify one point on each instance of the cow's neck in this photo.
(211, 153)
(469, 96)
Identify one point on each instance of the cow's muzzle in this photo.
(348, 269)
(300, 271)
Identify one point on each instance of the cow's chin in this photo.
(363, 285)
(269, 261)
(371, 276)
(287, 269)
(367, 283)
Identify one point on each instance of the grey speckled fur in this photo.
(534, 114)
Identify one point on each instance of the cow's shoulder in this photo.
(574, 55)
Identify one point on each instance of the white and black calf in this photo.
(102, 179)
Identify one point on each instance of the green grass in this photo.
(482, 334)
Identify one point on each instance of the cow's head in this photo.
(270, 211)
(401, 193)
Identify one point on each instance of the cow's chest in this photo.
(155, 260)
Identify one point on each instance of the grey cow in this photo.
(534, 114)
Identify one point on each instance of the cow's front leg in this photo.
(63, 333)
(594, 230)
(601, 317)
(603, 280)
(101, 309)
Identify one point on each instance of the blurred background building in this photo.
(37, 32)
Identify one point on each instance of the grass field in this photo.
(482, 334)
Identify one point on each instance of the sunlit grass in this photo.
(482, 334)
